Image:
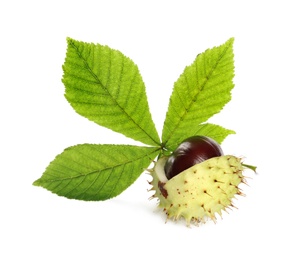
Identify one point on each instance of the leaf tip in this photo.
(230, 41)
(232, 132)
(36, 183)
(69, 39)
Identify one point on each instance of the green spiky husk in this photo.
(201, 191)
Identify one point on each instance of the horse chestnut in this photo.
(191, 151)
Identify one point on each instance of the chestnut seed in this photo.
(191, 151)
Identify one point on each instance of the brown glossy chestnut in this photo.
(191, 151)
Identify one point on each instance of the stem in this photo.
(253, 168)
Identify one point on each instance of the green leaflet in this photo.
(215, 132)
(106, 87)
(95, 172)
(200, 92)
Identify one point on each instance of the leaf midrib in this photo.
(95, 171)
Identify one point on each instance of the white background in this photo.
(162, 37)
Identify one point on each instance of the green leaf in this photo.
(200, 92)
(106, 87)
(213, 131)
(95, 172)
